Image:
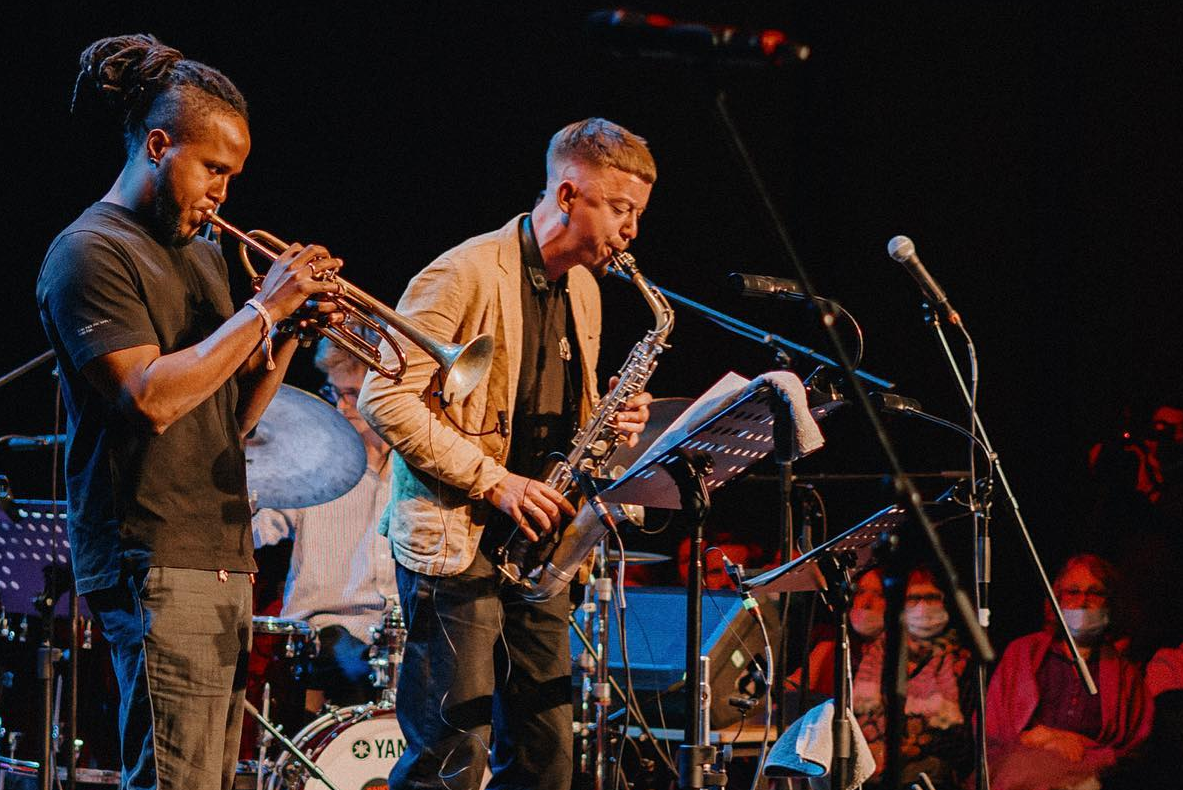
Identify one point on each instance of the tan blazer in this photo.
(436, 513)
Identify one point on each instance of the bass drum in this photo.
(355, 748)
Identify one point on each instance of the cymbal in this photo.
(637, 557)
(303, 452)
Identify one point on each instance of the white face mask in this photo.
(925, 620)
(1087, 626)
(867, 623)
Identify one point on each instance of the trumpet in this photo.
(462, 365)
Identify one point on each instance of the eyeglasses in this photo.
(335, 396)
(1077, 595)
(915, 598)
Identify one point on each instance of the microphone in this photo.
(902, 250)
(33, 442)
(764, 285)
(587, 487)
(887, 401)
(656, 35)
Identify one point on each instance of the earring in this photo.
(154, 162)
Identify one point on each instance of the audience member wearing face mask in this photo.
(937, 738)
(866, 624)
(1044, 729)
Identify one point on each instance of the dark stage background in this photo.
(1030, 152)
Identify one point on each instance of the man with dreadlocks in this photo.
(162, 378)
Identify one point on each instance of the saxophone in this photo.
(545, 568)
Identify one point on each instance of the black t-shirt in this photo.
(549, 380)
(178, 499)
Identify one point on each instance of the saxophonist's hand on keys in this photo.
(631, 419)
(533, 505)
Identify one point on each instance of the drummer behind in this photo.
(341, 578)
(162, 376)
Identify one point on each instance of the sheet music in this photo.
(734, 423)
(714, 400)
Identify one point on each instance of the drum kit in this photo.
(343, 748)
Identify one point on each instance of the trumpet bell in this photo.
(463, 367)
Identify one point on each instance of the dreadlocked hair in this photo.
(151, 85)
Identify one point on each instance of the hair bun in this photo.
(123, 68)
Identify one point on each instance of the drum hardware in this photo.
(300, 637)
(264, 738)
(356, 745)
(385, 655)
(290, 747)
(351, 746)
(596, 679)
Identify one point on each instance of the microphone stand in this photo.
(909, 497)
(784, 351)
(982, 538)
(47, 657)
(697, 767)
(32, 364)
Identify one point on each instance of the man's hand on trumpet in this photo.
(299, 285)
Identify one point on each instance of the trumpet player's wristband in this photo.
(267, 325)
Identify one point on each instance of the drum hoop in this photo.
(332, 722)
(371, 711)
(324, 721)
(282, 626)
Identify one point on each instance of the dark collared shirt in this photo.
(549, 380)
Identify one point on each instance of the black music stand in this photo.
(35, 576)
(729, 428)
(829, 569)
(32, 538)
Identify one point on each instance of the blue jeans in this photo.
(478, 661)
(179, 644)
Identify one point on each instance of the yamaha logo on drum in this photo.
(382, 748)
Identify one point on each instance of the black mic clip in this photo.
(890, 402)
(742, 703)
(734, 572)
